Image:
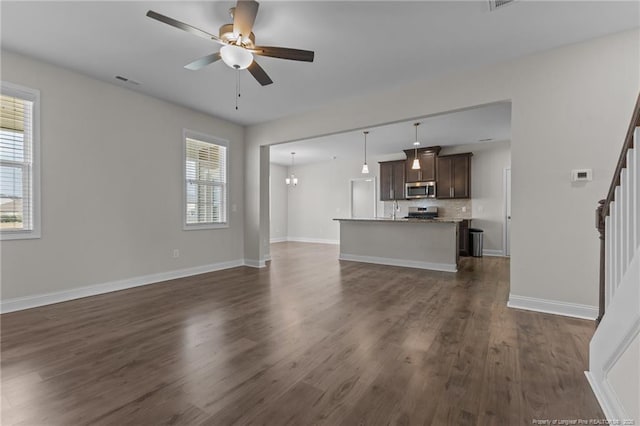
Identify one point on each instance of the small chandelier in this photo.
(365, 168)
(292, 179)
(416, 162)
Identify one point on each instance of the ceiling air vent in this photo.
(497, 4)
(127, 80)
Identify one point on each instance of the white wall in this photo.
(112, 186)
(487, 189)
(279, 202)
(322, 195)
(570, 109)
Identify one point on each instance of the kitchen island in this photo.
(415, 243)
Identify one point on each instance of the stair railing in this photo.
(617, 216)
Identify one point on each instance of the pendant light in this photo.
(416, 162)
(291, 179)
(365, 168)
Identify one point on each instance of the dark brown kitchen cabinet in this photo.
(427, 170)
(392, 180)
(463, 238)
(453, 176)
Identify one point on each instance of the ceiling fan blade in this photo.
(244, 17)
(182, 26)
(203, 62)
(284, 53)
(259, 74)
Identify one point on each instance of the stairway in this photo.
(614, 354)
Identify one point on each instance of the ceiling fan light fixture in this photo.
(236, 57)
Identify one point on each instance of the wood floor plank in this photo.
(307, 340)
(286, 409)
(500, 396)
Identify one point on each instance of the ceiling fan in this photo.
(238, 42)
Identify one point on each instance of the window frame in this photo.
(31, 95)
(202, 137)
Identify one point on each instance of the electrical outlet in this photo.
(464, 209)
(176, 253)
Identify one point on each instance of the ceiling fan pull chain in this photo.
(237, 87)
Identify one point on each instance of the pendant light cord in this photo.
(365, 147)
(416, 153)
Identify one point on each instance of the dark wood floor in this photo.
(308, 340)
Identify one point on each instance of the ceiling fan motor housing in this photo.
(226, 34)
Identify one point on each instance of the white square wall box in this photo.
(581, 175)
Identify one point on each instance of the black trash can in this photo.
(476, 236)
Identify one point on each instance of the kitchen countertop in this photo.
(404, 220)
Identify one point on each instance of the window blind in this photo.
(206, 182)
(16, 164)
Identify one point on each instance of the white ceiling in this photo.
(457, 128)
(360, 46)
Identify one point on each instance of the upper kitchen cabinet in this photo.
(392, 180)
(454, 176)
(427, 170)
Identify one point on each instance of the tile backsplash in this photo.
(446, 208)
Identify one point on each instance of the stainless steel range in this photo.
(422, 213)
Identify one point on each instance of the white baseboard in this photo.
(27, 302)
(553, 307)
(491, 252)
(278, 240)
(255, 263)
(312, 240)
(445, 267)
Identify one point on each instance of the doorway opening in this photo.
(507, 212)
(363, 198)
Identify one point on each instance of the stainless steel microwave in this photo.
(420, 190)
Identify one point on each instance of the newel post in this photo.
(601, 230)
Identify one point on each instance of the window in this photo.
(19, 162)
(206, 188)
